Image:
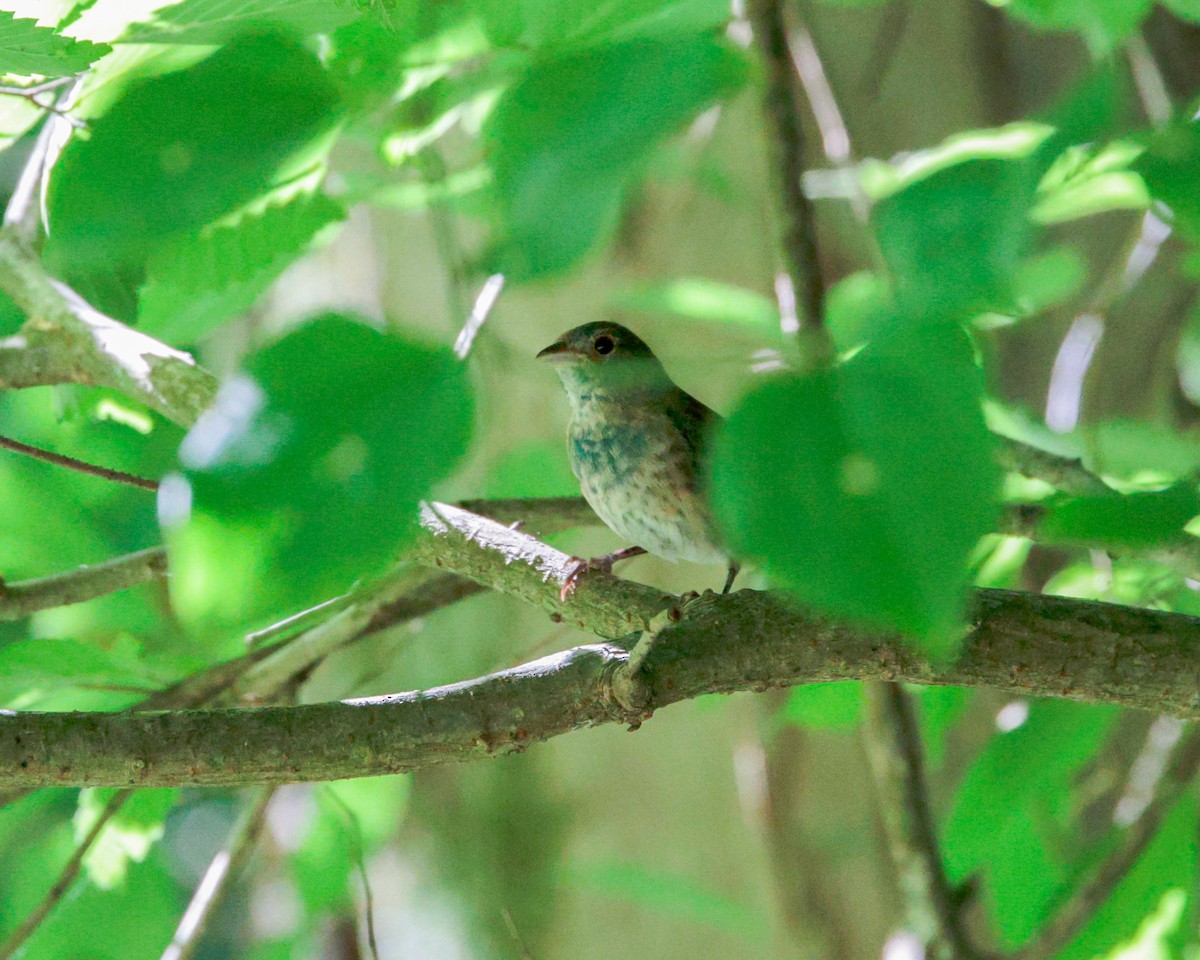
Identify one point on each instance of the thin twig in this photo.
(782, 108)
(223, 868)
(489, 293)
(26, 597)
(933, 906)
(358, 855)
(79, 466)
(1061, 929)
(66, 878)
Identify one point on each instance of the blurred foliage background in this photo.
(378, 161)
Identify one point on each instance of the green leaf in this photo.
(353, 818)
(1131, 520)
(568, 137)
(1170, 168)
(541, 24)
(864, 489)
(307, 471)
(128, 837)
(27, 48)
(197, 282)
(1155, 902)
(216, 21)
(701, 299)
(955, 238)
(1013, 801)
(1102, 23)
(824, 706)
(178, 151)
(27, 665)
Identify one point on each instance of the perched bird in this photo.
(636, 444)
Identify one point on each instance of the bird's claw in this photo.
(579, 567)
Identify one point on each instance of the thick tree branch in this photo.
(1047, 646)
(75, 343)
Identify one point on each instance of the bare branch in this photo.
(26, 597)
(91, 469)
(213, 885)
(897, 760)
(82, 345)
(782, 107)
(1047, 646)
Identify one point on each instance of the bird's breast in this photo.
(638, 473)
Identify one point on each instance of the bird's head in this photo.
(608, 359)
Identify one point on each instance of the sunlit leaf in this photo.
(215, 21)
(180, 150)
(862, 490)
(199, 281)
(28, 48)
(129, 835)
(306, 473)
(568, 137)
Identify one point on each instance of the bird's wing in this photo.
(695, 423)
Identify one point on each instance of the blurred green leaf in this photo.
(27, 665)
(180, 150)
(543, 24)
(1048, 279)
(568, 137)
(1151, 912)
(1131, 520)
(216, 21)
(954, 239)
(1140, 452)
(199, 281)
(824, 706)
(1102, 23)
(128, 837)
(701, 299)
(27, 48)
(1170, 168)
(532, 470)
(857, 308)
(352, 818)
(1005, 812)
(863, 490)
(306, 472)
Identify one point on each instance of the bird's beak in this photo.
(557, 352)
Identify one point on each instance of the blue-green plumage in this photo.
(636, 442)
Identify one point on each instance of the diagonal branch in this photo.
(77, 343)
(1048, 646)
(26, 597)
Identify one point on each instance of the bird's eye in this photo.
(603, 345)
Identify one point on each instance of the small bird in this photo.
(636, 444)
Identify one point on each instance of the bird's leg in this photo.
(734, 567)
(604, 563)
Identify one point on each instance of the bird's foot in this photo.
(604, 564)
(734, 568)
